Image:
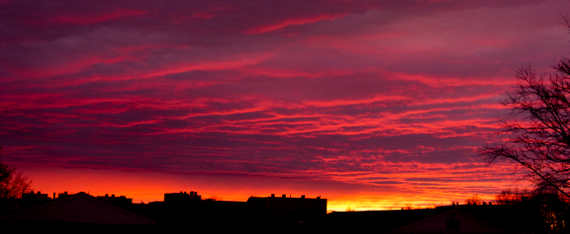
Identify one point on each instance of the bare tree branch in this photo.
(538, 128)
(12, 183)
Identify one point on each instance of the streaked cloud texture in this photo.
(387, 99)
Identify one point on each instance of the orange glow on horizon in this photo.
(151, 186)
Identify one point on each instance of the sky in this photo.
(369, 104)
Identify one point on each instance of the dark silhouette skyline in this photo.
(272, 213)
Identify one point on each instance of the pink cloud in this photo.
(290, 22)
(83, 19)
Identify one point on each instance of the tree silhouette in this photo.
(12, 182)
(474, 200)
(511, 197)
(548, 206)
(538, 128)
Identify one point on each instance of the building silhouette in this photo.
(182, 210)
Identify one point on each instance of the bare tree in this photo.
(12, 182)
(538, 128)
(474, 200)
(511, 197)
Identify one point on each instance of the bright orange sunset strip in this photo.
(342, 193)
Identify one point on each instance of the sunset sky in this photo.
(370, 104)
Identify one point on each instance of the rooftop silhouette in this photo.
(299, 214)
